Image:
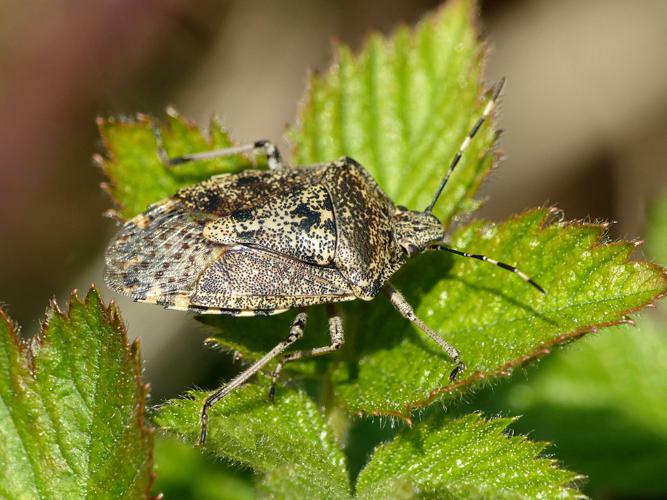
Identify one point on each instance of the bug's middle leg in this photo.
(337, 341)
(296, 332)
(402, 306)
(274, 158)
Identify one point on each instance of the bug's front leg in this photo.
(337, 341)
(272, 153)
(402, 306)
(296, 332)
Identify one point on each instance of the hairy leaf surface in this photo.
(71, 408)
(288, 440)
(185, 472)
(604, 399)
(138, 176)
(468, 457)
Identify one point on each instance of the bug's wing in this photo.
(162, 257)
(222, 195)
(159, 253)
(299, 223)
(251, 279)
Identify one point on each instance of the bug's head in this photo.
(415, 231)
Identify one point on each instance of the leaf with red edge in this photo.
(495, 319)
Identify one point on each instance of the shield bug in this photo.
(264, 241)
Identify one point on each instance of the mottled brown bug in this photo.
(264, 241)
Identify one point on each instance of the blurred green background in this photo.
(585, 119)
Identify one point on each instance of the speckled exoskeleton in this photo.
(264, 241)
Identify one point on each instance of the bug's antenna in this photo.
(466, 142)
(484, 258)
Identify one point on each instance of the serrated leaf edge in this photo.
(111, 315)
(103, 161)
(539, 447)
(505, 371)
(315, 78)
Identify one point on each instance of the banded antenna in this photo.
(466, 142)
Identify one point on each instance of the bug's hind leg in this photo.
(296, 332)
(272, 153)
(402, 306)
(337, 341)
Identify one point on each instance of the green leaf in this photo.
(292, 448)
(71, 408)
(251, 336)
(137, 175)
(604, 401)
(468, 457)
(402, 107)
(495, 319)
(185, 472)
(288, 441)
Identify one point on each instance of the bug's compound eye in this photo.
(412, 249)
